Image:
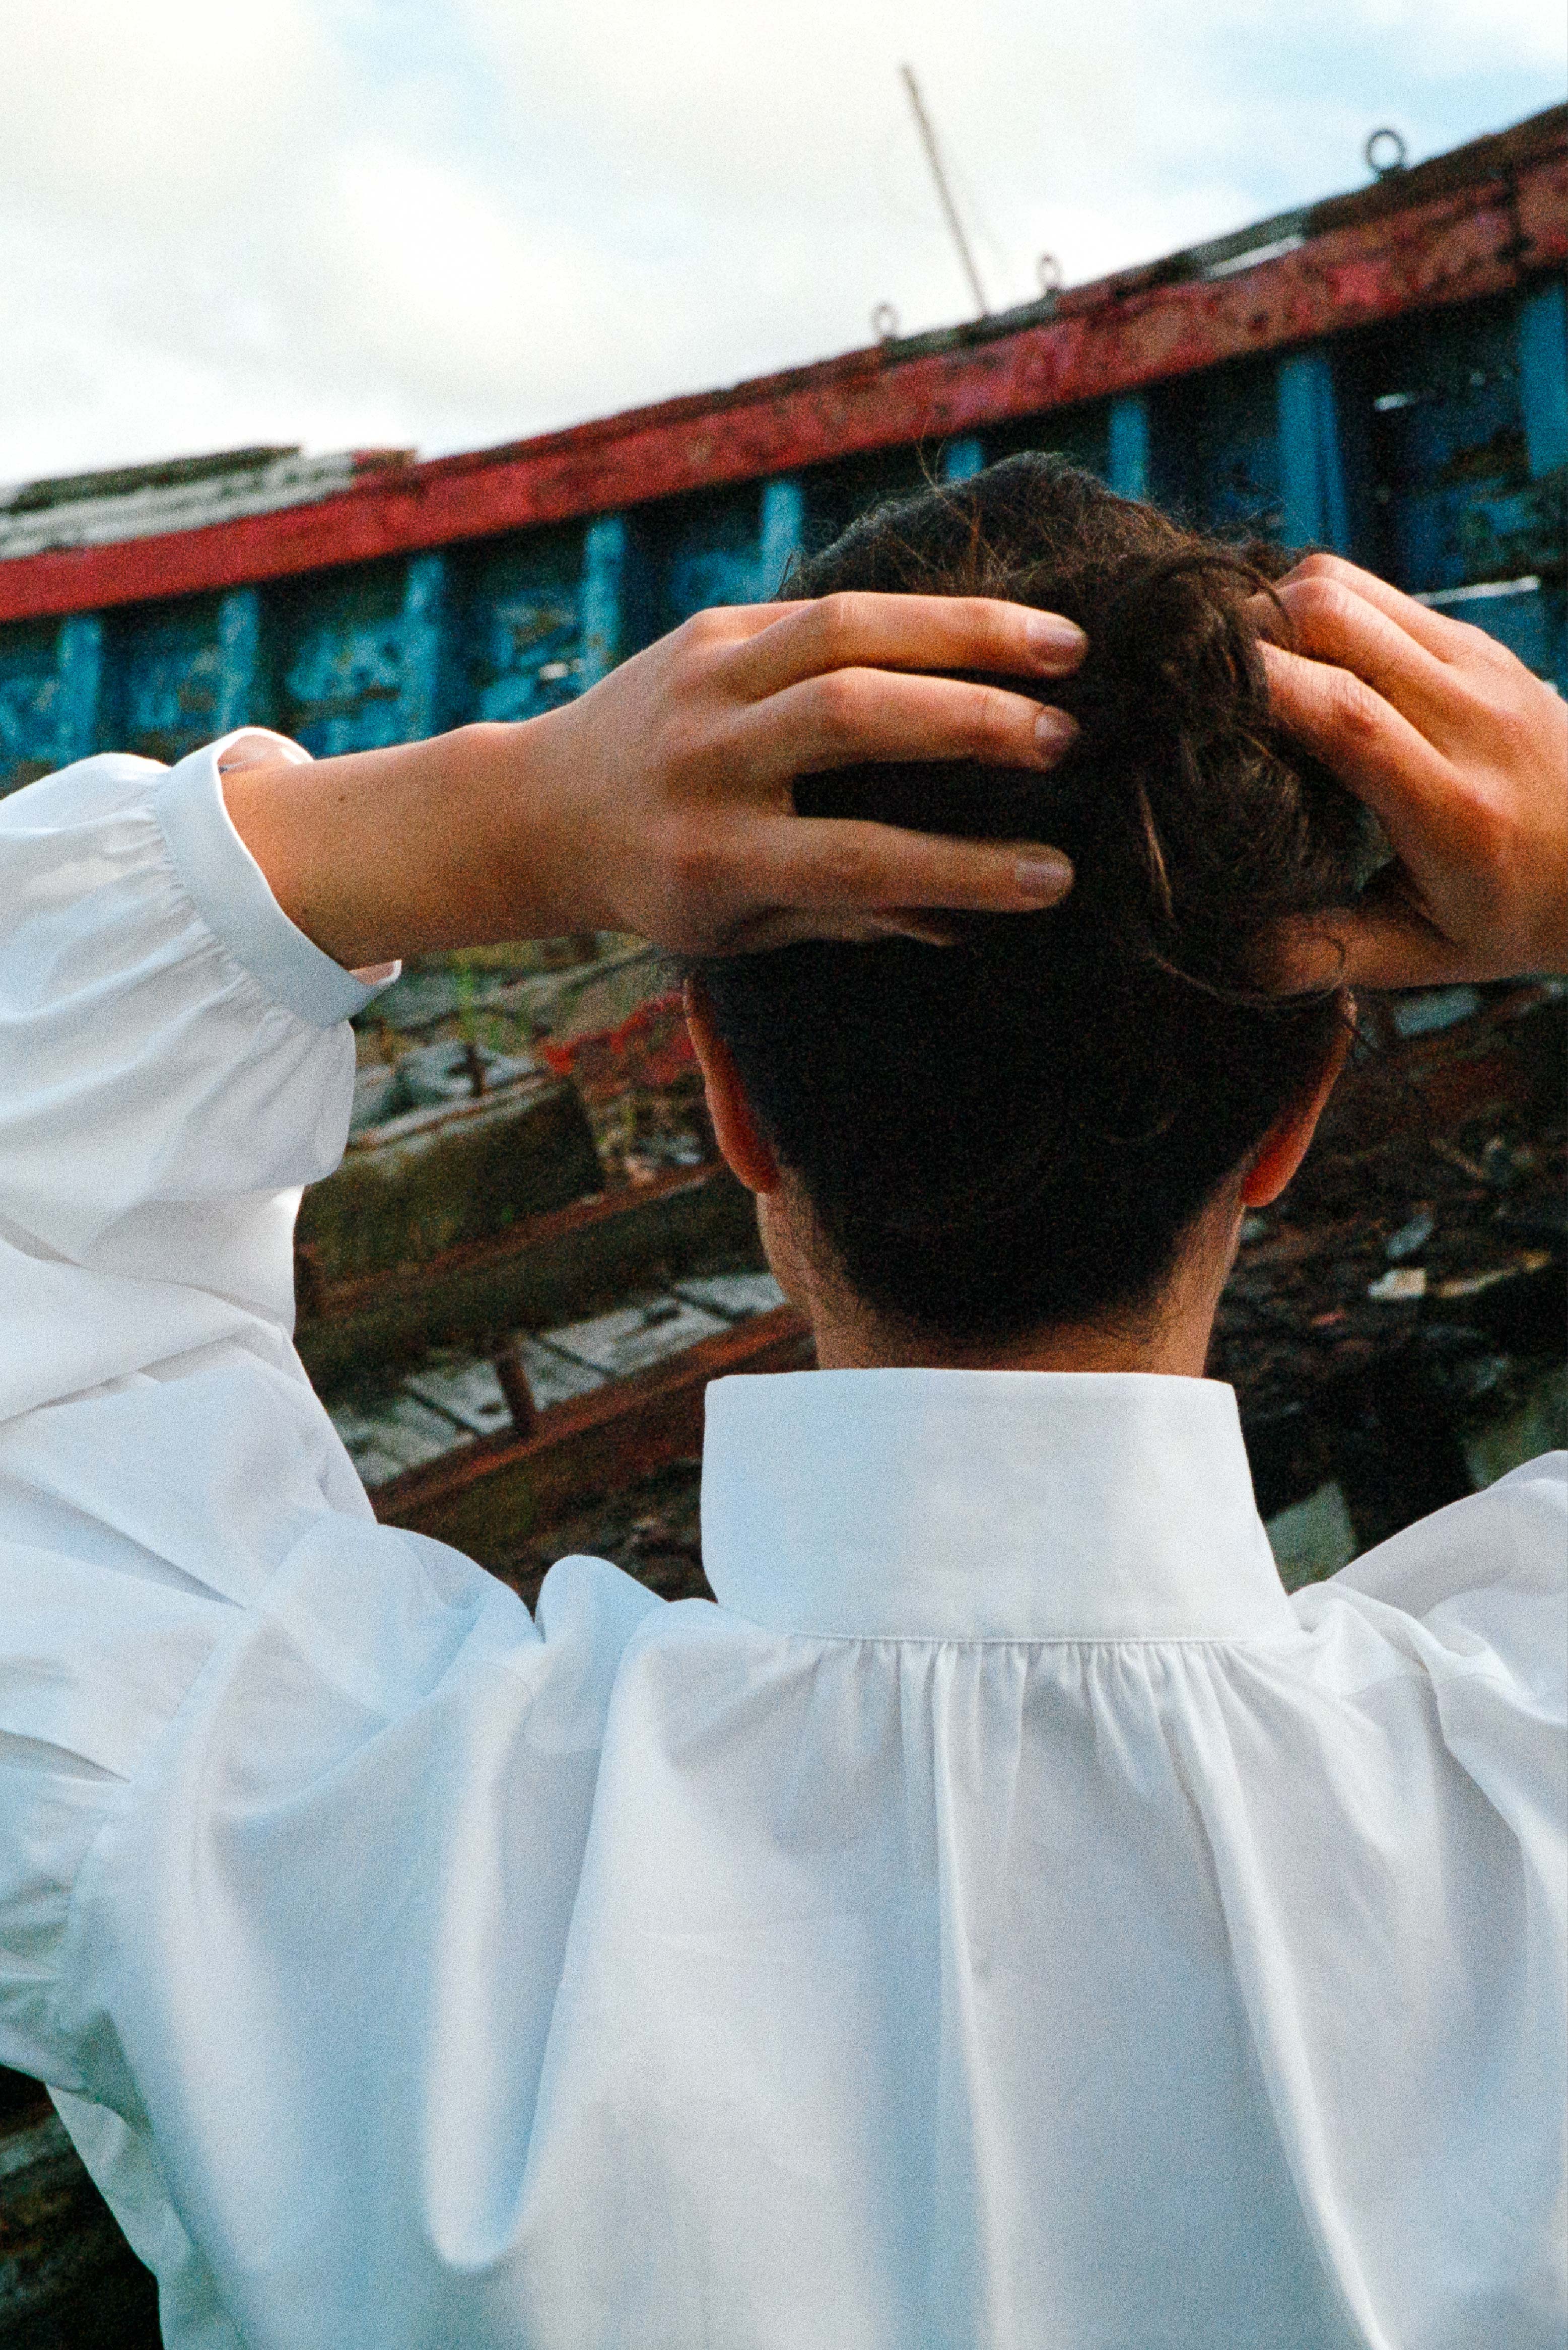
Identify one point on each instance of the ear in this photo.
(739, 1137)
(1287, 1141)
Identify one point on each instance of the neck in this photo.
(1170, 1336)
(1178, 1347)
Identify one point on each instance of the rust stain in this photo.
(1120, 335)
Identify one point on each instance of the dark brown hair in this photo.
(1014, 1133)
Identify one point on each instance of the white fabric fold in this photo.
(1005, 1918)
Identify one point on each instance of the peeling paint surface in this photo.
(520, 651)
(1384, 374)
(164, 688)
(29, 698)
(342, 680)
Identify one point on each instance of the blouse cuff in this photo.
(231, 893)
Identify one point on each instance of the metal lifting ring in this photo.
(1048, 270)
(885, 323)
(1386, 151)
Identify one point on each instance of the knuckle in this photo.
(843, 868)
(840, 621)
(705, 631)
(1479, 649)
(996, 725)
(1321, 565)
(838, 696)
(1316, 602)
(692, 859)
(1354, 712)
(1491, 832)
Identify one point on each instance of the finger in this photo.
(742, 621)
(854, 714)
(1427, 627)
(1364, 741)
(834, 865)
(1444, 638)
(1387, 946)
(907, 632)
(1329, 622)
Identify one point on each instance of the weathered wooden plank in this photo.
(444, 1177)
(485, 1496)
(1098, 342)
(544, 1270)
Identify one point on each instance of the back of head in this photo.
(1013, 1134)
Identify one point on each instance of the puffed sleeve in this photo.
(1476, 1596)
(195, 1600)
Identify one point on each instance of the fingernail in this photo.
(1054, 731)
(1043, 877)
(1056, 642)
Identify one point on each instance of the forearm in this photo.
(381, 854)
(661, 800)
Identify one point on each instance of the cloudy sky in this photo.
(445, 223)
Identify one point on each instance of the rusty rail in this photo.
(485, 1494)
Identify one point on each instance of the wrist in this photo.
(555, 868)
(464, 839)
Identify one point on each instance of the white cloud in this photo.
(445, 221)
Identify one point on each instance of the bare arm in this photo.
(660, 802)
(1463, 756)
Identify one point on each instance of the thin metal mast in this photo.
(934, 157)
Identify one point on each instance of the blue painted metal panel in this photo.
(703, 550)
(1128, 455)
(163, 686)
(606, 595)
(782, 535)
(79, 669)
(422, 699)
(1314, 506)
(240, 685)
(1463, 408)
(29, 694)
(343, 682)
(1544, 377)
(1449, 442)
(1435, 448)
(1213, 449)
(519, 637)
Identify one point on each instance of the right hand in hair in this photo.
(1461, 753)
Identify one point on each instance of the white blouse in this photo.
(1005, 1918)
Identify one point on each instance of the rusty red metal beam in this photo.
(496, 1490)
(1482, 239)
